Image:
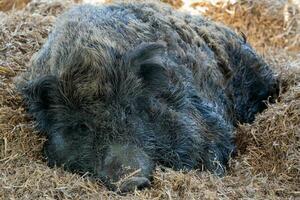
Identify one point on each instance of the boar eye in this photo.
(83, 127)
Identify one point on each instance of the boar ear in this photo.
(146, 60)
(39, 95)
(41, 91)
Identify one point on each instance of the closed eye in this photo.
(83, 128)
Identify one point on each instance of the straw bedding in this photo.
(268, 163)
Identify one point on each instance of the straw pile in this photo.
(6, 5)
(265, 22)
(268, 164)
(174, 3)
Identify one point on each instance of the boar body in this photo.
(126, 86)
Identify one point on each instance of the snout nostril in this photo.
(133, 183)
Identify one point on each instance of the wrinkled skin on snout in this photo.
(121, 88)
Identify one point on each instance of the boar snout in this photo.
(126, 167)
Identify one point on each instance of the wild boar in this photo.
(122, 87)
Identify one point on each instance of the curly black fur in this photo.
(139, 84)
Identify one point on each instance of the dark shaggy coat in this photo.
(131, 85)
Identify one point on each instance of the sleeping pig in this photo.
(120, 88)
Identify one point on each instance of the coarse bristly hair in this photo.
(140, 84)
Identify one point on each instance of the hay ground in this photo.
(268, 163)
